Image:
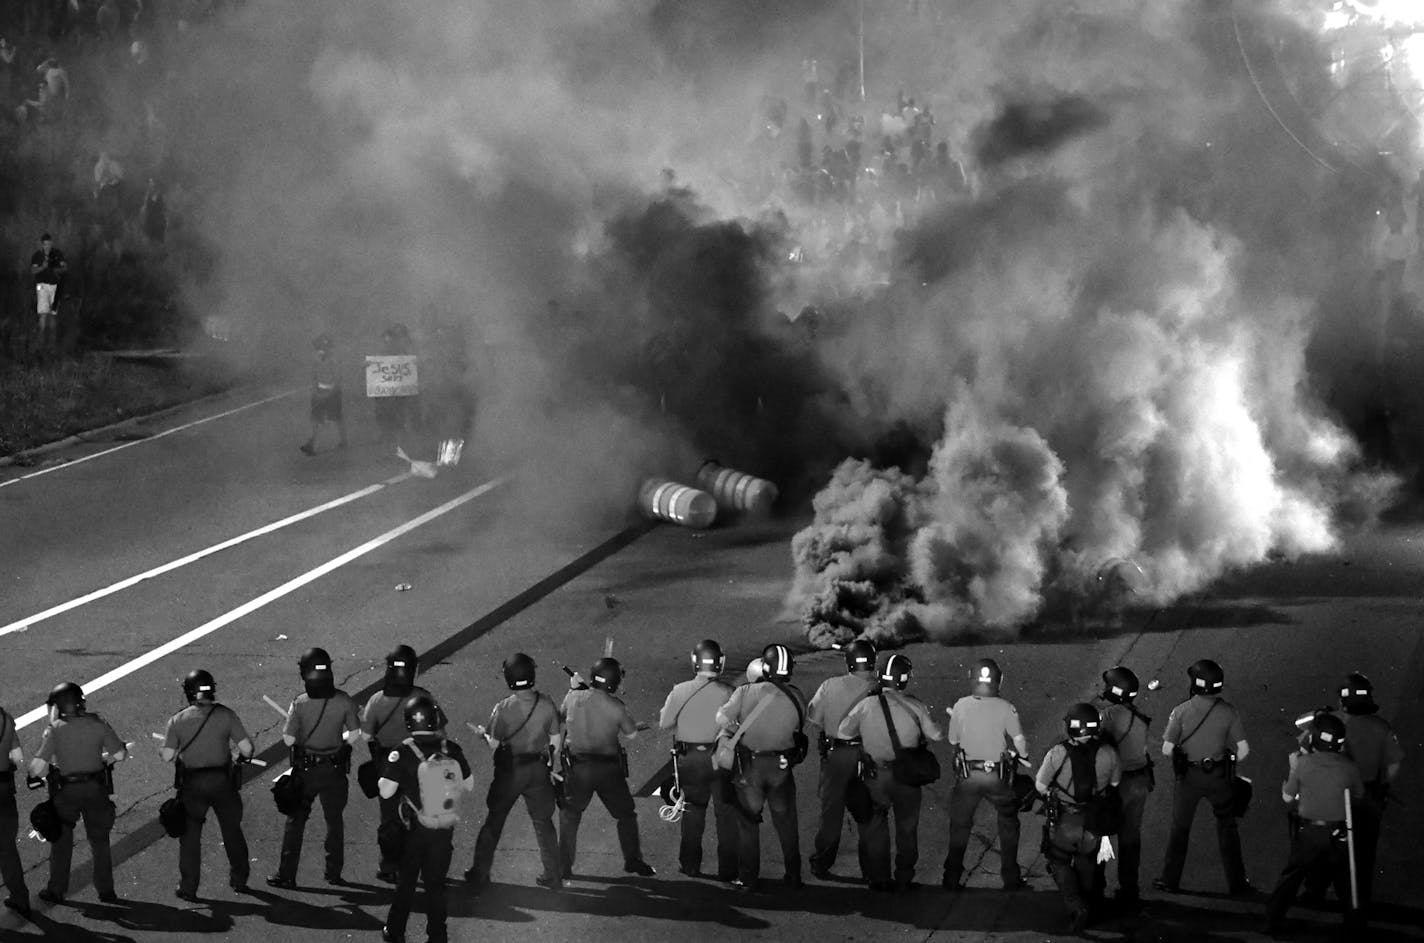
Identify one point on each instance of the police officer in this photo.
(765, 755)
(1316, 787)
(383, 729)
(985, 733)
(12, 758)
(321, 727)
(77, 754)
(1125, 728)
(840, 757)
(593, 762)
(426, 850)
(1075, 778)
(690, 712)
(524, 727)
(866, 722)
(199, 741)
(1373, 745)
(1205, 739)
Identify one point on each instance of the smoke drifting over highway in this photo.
(1101, 353)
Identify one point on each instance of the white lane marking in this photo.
(118, 448)
(21, 625)
(252, 605)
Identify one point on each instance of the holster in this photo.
(1151, 775)
(109, 778)
(1180, 763)
(1008, 763)
(823, 745)
(623, 762)
(961, 764)
(178, 774)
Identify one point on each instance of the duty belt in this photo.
(321, 759)
(685, 745)
(838, 742)
(97, 776)
(987, 766)
(1140, 771)
(759, 754)
(594, 757)
(527, 757)
(1324, 823)
(1208, 764)
(189, 770)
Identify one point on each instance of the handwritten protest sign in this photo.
(391, 375)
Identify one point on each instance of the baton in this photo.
(275, 706)
(1350, 847)
(477, 728)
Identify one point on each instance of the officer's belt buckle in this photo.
(990, 765)
(1208, 764)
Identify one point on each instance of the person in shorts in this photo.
(47, 265)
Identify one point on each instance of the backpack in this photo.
(438, 787)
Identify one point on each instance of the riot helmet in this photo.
(895, 672)
(199, 685)
(401, 668)
(777, 663)
(606, 675)
(67, 698)
(1082, 723)
(519, 672)
(1120, 685)
(1207, 677)
(707, 656)
(317, 676)
(860, 655)
(1357, 695)
(1327, 733)
(756, 668)
(422, 714)
(986, 676)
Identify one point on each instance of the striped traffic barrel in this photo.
(669, 501)
(736, 491)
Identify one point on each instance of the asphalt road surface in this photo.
(217, 544)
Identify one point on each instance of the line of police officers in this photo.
(735, 749)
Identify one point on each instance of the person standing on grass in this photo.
(47, 265)
(326, 396)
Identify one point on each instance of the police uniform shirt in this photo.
(1128, 733)
(203, 732)
(594, 719)
(694, 705)
(866, 720)
(507, 722)
(76, 744)
(775, 725)
(402, 766)
(979, 726)
(835, 698)
(1373, 746)
(326, 736)
(383, 720)
(9, 741)
(1215, 738)
(1058, 768)
(1320, 780)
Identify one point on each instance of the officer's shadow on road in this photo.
(151, 916)
(689, 901)
(41, 927)
(291, 912)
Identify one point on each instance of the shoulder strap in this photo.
(206, 717)
(800, 714)
(1200, 722)
(320, 714)
(689, 701)
(410, 742)
(751, 718)
(527, 717)
(890, 725)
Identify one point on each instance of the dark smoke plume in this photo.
(1026, 128)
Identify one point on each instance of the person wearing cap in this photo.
(1076, 777)
(12, 758)
(198, 741)
(320, 729)
(1125, 728)
(770, 746)
(866, 722)
(1205, 739)
(690, 712)
(427, 774)
(383, 729)
(593, 763)
(1374, 747)
(524, 731)
(326, 395)
(1317, 789)
(987, 738)
(77, 752)
(840, 756)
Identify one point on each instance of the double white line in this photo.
(207, 628)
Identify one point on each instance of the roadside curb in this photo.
(81, 437)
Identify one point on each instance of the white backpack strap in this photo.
(410, 742)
